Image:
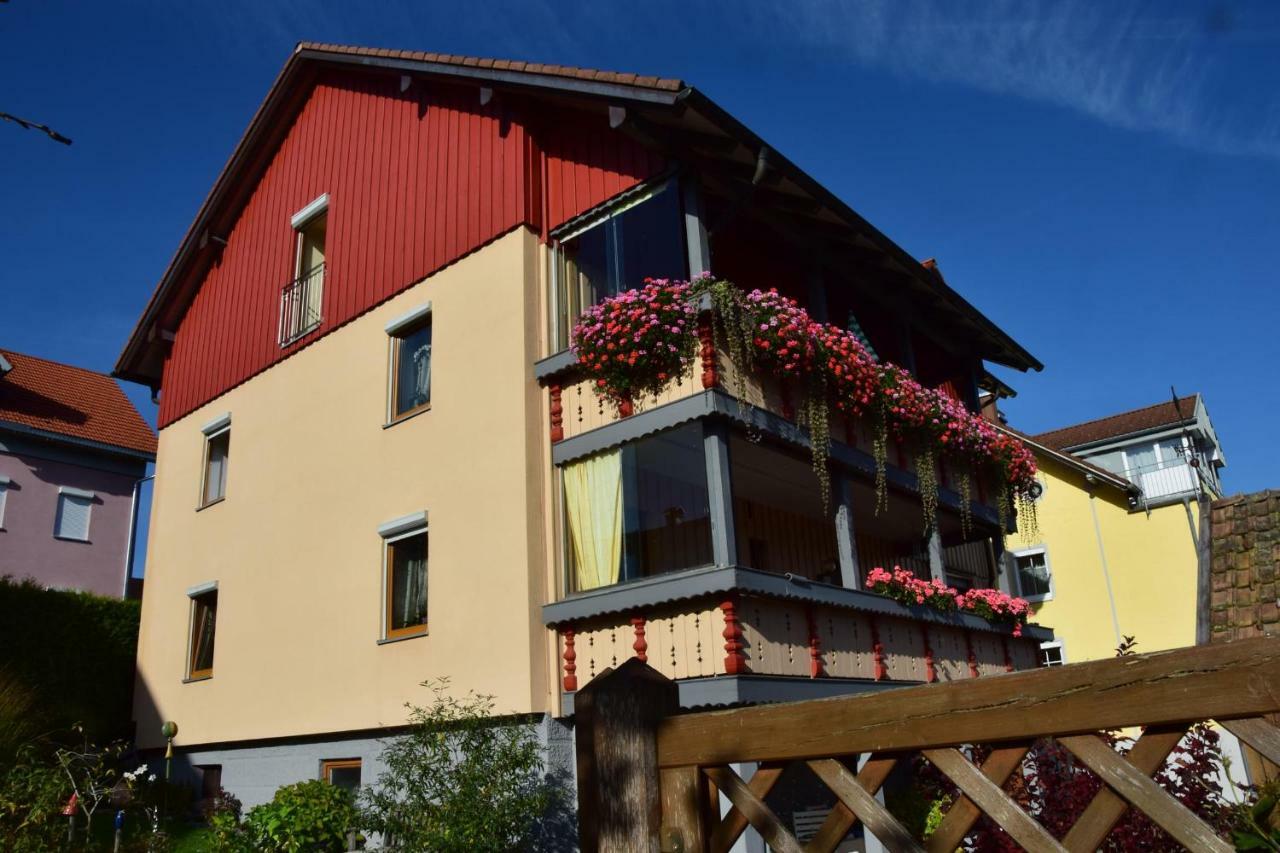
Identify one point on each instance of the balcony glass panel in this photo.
(638, 511)
(777, 508)
(642, 238)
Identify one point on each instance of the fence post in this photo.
(616, 718)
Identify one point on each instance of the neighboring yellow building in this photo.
(1116, 550)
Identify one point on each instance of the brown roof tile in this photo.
(664, 84)
(1125, 423)
(58, 398)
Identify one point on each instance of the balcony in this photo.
(1164, 480)
(736, 635)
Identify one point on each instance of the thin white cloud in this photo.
(1128, 67)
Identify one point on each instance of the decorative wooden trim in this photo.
(930, 669)
(707, 351)
(973, 658)
(640, 646)
(1008, 660)
(815, 645)
(570, 661)
(877, 652)
(735, 662)
(557, 413)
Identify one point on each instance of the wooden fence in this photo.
(649, 777)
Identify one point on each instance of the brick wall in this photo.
(1244, 564)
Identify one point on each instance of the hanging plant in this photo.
(634, 343)
(966, 500)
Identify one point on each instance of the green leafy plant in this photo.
(1257, 820)
(33, 791)
(461, 780)
(310, 816)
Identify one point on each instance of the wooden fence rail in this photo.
(649, 777)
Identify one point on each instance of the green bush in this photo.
(74, 652)
(33, 790)
(461, 780)
(310, 816)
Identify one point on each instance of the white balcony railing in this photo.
(1169, 478)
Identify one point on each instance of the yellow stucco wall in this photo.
(1150, 558)
(295, 549)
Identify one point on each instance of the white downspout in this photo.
(1102, 554)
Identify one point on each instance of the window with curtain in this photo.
(72, 518)
(217, 453)
(639, 510)
(641, 237)
(412, 369)
(204, 618)
(1034, 581)
(406, 585)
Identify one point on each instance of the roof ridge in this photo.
(1092, 421)
(89, 370)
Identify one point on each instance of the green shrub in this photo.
(33, 790)
(74, 652)
(461, 780)
(306, 816)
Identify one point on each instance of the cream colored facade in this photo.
(295, 550)
(1114, 571)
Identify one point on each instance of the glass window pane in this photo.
(215, 479)
(638, 511)
(666, 513)
(344, 776)
(408, 604)
(413, 370)
(777, 506)
(203, 628)
(649, 240)
(72, 520)
(1033, 574)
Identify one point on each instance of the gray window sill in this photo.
(386, 640)
(211, 503)
(190, 680)
(410, 416)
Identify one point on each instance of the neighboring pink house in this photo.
(73, 451)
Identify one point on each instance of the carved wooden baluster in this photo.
(877, 652)
(815, 645)
(707, 343)
(973, 658)
(850, 438)
(1008, 660)
(641, 646)
(788, 407)
(734, 660)
(570, 661)
(930, 668)
(626, 408)
(557, 414)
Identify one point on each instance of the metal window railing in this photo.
(1164, 479)
(300, 305)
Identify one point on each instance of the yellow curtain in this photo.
(593, 500)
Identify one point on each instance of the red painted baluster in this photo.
(850, 438)
(557, 414)
(626, 408)
(815, 645)
(973, 658)
(734, 660)
(877, 652)
(900, 453)
(641, 646)
(930, 669)
(707, 342)
(1008, 661)
(570, 665)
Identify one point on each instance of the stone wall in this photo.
(1244, 564)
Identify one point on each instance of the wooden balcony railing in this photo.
(868, 638)
(650, 778)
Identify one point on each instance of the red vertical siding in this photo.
(415, 181)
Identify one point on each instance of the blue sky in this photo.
(1102, 179)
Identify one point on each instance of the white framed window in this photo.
(217, 458)
(302, 300)
(202, 626)
(1052, 653)
(74, 509)
(4, 493)
(1035, 578)
(409, 363)
(404, 577)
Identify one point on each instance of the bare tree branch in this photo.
(31, 125)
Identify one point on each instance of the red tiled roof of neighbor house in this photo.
(665, 84)
(57, 398)
(1125, 423)
(1109, 477)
